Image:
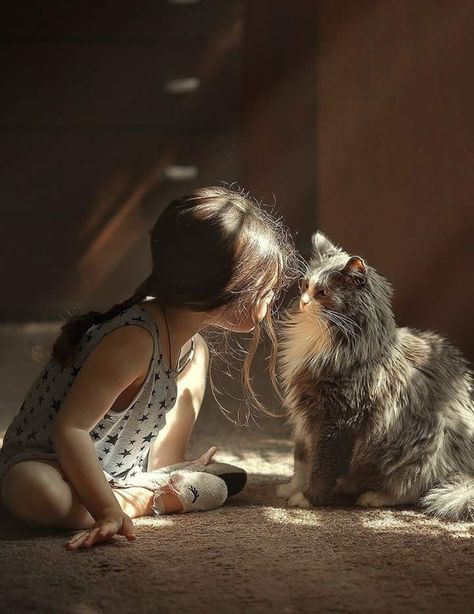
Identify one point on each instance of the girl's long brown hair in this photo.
(212, 248)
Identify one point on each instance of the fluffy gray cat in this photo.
(381, 415)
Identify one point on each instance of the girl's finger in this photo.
(78, 538)
(77, 541)
(107, 529)
(91, 538)
(128, 529)
(105, 534)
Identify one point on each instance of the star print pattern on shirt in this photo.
(121, 439)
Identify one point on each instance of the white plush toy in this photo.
(198, 484)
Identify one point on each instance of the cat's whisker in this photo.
(350, 321)
(344, 324)
(344, 317)
(332, 317)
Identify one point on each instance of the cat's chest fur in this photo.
(302, 343)
(315, 397)
(317, 400)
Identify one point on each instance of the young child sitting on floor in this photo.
(120, 394)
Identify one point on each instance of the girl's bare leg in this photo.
(38, 493)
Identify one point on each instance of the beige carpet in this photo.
(252, 555)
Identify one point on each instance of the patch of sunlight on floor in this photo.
(291, 516)
(457, 530)
(403, 520)
(263, 463)
(164, 520)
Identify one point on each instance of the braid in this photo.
(73, 330)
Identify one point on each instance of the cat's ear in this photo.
(322, 245)
(357, 269)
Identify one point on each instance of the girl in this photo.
(91, 418)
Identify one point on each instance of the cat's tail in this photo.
(452, 500)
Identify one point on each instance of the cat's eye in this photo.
(320, 292)
(303, 285)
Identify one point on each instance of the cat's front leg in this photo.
(329, 460)
(298, 481)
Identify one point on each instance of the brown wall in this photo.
(279, 106)
(395, 169)
(355, 117)
(86, 131)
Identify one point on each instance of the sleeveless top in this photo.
(121, 439)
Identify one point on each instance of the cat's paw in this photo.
(284, 491)
(372, 498)
(317, 499)
(299, 500)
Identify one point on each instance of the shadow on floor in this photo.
(254, 554)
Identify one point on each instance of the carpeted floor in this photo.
(252, 555)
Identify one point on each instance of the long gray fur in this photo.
(381, 415)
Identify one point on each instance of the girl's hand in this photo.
(112, 522)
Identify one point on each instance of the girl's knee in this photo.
(27, 494)
(35, 494)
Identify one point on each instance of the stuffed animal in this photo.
(199, 484)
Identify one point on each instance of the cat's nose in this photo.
(304, 300)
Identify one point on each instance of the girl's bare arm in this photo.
(121, 358)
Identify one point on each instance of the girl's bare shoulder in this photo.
(131, 344)
(120, 359)
(122, 355)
